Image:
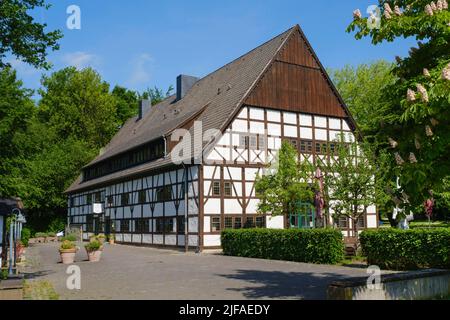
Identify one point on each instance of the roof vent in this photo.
(184, 84)
(144, 107)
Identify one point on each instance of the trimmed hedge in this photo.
(407, 249)
(309, 245)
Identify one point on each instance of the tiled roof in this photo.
(220, 94)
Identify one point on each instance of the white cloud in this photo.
(141, 69)
(80, 59)
(22, 68)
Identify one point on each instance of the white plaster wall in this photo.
(212, 240)
(212, 206)
(276, 222)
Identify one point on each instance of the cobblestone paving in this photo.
(127, 272)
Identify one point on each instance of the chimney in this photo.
(144, 107)
(184, 84)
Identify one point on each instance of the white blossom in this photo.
(426, 73)
(393, 143)
(412, 157)
(428, 131)
(357, 14)
(439, 5)
(446, 73)
(444, 4)
(387, 15)
(433, 6)
(397, 11)
(398, 159)
(387, 8)
(423, 92)
(428, 10)
(410, 95)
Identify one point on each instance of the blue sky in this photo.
(143, 43)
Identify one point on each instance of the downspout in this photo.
(186, 209)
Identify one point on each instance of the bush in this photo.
(307, 245)
(51, 234)
(407, 249)
(66, 245)
(70, 237)
(25, 236)
(94, 245)
(40, 235)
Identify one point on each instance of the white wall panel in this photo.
(306, 133)
(232, 206)
(207, 224)
(256, 113)
(275, 222)
(274, 116)
(212, 206)
(290, 117)
(211, 240)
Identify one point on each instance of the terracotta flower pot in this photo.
(67, 255)
(94, 256)
(111, 241)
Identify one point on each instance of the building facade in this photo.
(276, 92)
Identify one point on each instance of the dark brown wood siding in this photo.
(295, 82)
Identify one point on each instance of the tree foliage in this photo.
(414, 126)
(286, 183)
(23, 37)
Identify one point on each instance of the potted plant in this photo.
(94, 250)
(101, 238)
(67, 251)
(111, 238)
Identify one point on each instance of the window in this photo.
(159, 225)
(321, 148)
(342, 222)
(164, 193)
(361, 222)
(262, 142)
(228, 222)
(168, 225)
(259, 222)
(228, 189)
(249, 223)
(215, 224)
(89, 198)
(110, 200)
(142, 197)
(180, 225)
(247, 141)
(142, 225)
(216, 188)
(125, 199)
(72, 201)
(89, 223)
(305, 146)
(237, 222)
(125, 225)
(98, 197)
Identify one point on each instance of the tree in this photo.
(77, 104)
(156, 95)
(361, 88)
(415, 126)
(350, 181)
(285, 184)
(126, 102)
(22, 36)
(16, 111)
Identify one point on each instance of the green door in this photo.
(302, 216)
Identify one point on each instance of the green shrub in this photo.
(407, 249)
(66, 245)
(70, 237)
(307, 245)
(51, 234)
(40, 235)
(25, 236)
(93, 245)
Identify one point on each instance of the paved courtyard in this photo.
(127, 272)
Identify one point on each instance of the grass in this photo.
(355, 260)
(39, 290)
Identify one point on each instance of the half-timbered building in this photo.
(278, 91)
